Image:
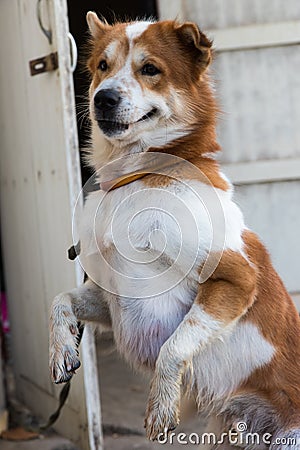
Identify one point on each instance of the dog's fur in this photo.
(234, 339)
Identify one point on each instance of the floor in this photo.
(123, 398)
(53, 442)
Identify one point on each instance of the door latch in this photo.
(44, 64)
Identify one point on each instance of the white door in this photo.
(40, 180)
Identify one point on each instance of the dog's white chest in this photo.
(142, 241)
(144, 247)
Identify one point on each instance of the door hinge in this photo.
(44, 64)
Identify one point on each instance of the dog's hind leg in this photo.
(215, 436)
(83, 303)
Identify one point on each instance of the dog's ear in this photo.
(190, 34)
(96, 26)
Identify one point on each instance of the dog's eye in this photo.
(150, 69)
(102, 65)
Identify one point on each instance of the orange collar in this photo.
(154, 169)
(110, 185)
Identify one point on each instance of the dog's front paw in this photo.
(64, 359)
(63, 363)
(162, 416)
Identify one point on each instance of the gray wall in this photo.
(256, 73)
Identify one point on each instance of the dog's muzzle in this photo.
(108, 113)
(106, 103)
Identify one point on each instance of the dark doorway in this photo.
(112, 10)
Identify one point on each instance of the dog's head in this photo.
(145, 79)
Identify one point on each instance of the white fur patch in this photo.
(104, 151)
(229, 361)
(193, 335)
(223, 356)
(111, 49)
(135, 29)
(176, 228)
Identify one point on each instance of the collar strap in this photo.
(110, 185)
(160, 169)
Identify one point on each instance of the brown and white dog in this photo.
(233, 338)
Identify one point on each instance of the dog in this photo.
(221, 326)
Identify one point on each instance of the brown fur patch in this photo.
(208, 173)
(164, 41)
(278, 320)
(230, 291)
(193, 322)
(98, 44)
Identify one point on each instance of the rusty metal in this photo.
(44, 64)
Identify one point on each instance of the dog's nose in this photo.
(106, 99)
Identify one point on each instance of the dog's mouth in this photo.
(150, 114)
(111, 127)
